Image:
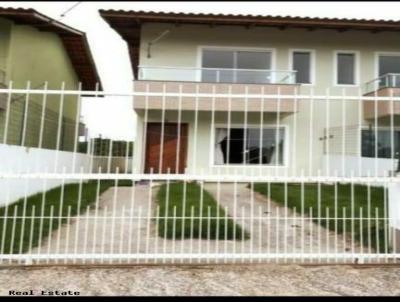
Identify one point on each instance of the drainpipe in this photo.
(398, 160)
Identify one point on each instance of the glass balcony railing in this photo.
(389, 80)
(217, 75)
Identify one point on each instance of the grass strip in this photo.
(192, 212)
(354, 206)
(17, 233)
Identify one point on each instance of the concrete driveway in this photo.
(123, 223)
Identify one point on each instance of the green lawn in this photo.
(213, 224)
(17, 234)
(352, 202)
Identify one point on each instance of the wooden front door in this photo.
(169, 152)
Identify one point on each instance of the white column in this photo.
(394, 214)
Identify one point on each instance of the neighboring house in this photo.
(238, 54)
(36, 48)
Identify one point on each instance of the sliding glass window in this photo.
(379, 143)
(251, 146)
(231, 66)
(389, 70)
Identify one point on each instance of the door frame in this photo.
(183, 147)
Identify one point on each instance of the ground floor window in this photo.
(378, 143)
(250, 146)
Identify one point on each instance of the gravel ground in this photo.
(266, 279)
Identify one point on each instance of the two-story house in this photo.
(178, 57)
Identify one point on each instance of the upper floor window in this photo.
(346, 68)
(301, 63)
(389, 65)
(236, 66)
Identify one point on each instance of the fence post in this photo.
(394, 214)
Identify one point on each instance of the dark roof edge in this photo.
(291, 20)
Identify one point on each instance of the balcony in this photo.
(387, 85)
(195, 81)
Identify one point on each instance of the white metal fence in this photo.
(289, 178)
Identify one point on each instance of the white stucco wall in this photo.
(305, 151)
(33, 160)
(201, 142)
(182, 47)
(394, 206)
(350, 165)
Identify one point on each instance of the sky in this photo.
(114, 117)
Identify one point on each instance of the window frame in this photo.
(363, 128)
(382, 53)
(356, 54)
(312, 64)
(200, 49)
(286, 146)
